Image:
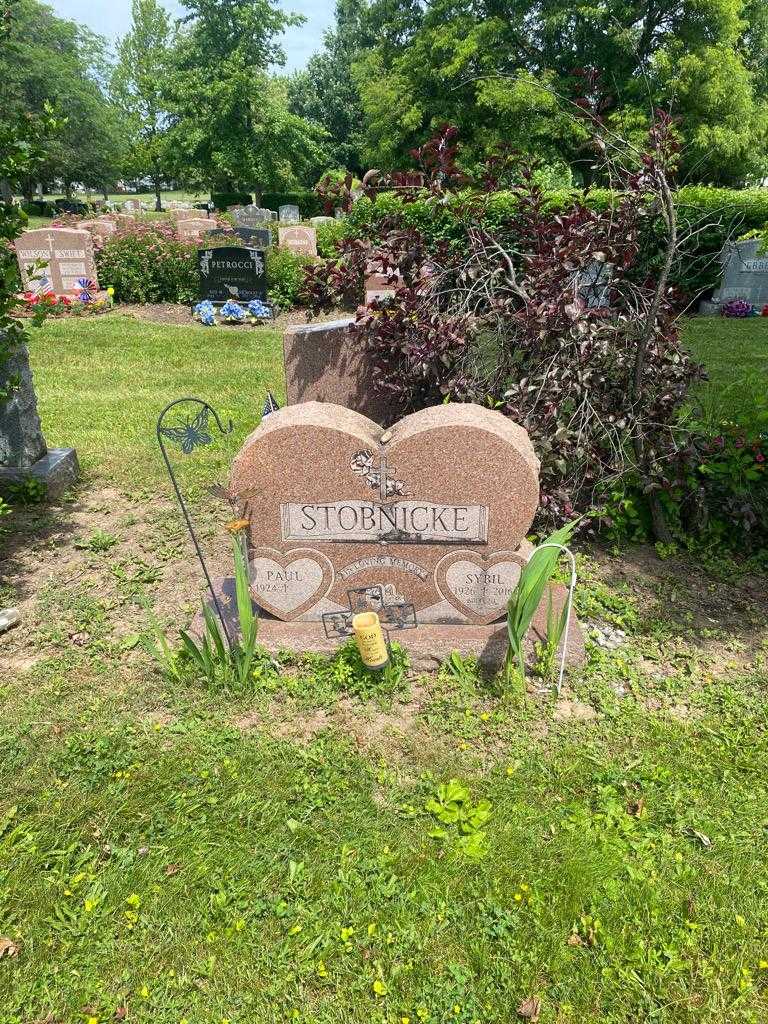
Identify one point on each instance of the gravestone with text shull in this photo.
(56, 260)
(232, 272)
(298, 239)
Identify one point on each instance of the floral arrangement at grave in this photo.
(497, 312)
(87, 302)
(738, 309)
(232, 313)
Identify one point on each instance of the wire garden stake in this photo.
(192, 433)
(569, 605)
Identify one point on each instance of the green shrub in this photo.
(715, 214)
(307, 201)
(285, 276)
(223, 200)
(328, 238)
(148, 264)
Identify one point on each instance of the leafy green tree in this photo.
(139, 87)
(231, 126)
(48, 60)
(504, 70)
(326, 93)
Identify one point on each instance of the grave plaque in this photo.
(299, 240)
(289, 214)
(745, 273)
(193, 229)
(232, 272)
(55, 259)
(185, 213)
(433, 509)
(258, 238)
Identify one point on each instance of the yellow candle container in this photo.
(369, 637)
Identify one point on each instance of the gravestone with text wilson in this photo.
(55, 260)
(432, 513)
(232, 272)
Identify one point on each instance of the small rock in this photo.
(9, 617)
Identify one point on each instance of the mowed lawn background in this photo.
(102, 382)
(175, 854)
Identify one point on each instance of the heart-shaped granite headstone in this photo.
(386, 506)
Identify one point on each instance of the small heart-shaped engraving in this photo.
(479, 587)
(286, 585)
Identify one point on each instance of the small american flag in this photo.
(270, 405)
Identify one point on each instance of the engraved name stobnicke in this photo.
(404, 522)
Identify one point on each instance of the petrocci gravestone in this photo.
(232, 272)
(434, 509)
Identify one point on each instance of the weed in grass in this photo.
(98, 542)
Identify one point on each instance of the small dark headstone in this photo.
(260, 237)
(231, 272)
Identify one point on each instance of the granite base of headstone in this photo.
(23, 451)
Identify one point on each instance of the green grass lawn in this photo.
(103, 382)
(172, 852)
(735, 355)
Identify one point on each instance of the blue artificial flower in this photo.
(205, 313)
(232, 311)
(86, 287)
(258, 309)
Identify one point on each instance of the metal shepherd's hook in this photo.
(192, 434)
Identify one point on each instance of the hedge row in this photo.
(715, 214)
(307, 201)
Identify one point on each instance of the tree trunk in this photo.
(158, 197)
(5, 190)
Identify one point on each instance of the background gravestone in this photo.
(258, 238)
(23, 451)
(744, 275)
(319, 221)
(324, 363)
(298, 239)
(193, 229)
(232, 272)
(289, 214)
(251, 216)
(66, 256)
